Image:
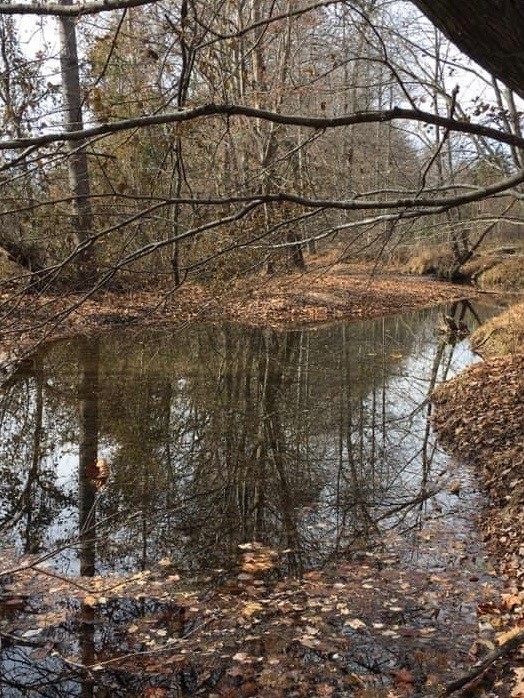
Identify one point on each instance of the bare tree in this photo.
(82, 223)
(237, 127)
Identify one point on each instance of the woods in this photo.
(211, 140)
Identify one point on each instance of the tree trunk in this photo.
(487, 31)
(77, 161)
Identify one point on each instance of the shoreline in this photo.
(340, 292)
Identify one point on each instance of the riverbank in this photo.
(327, 291)
(479, 417)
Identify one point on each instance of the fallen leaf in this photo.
(355, 623)
(403, 676)
(251, 608)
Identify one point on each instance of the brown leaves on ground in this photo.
(326, 291)
(331, 291)
(480, 417)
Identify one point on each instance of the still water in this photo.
(311, 441)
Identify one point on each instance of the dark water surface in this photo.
(219, 435)
(311, 441)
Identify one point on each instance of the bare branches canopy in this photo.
(185, 136)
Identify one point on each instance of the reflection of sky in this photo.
(393, 358)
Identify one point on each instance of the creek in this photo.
(315, 442)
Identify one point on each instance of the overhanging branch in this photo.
(52, 9)
(232, 110)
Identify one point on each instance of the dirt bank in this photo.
(479, 416)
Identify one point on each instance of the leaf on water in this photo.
(32, 633)
(90, 600)
(308, 642)
(257, 557)
(251, 608)
(355, 623)
(518, 689)
(455, 487)
(510, 634)
(241, 657)
(154, 692)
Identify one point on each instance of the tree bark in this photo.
(77, 162)
(486, 30)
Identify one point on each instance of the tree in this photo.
(242, 126)
(77, 161)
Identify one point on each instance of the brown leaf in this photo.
(403, 676)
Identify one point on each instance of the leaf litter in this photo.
(479, 417)
(385, 623)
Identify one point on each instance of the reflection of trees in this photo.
(87, 452)
(279, 437)
(219, 435)
(29, 493)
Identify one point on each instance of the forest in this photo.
(162, 142)
(261, 276)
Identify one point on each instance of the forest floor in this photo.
(376, 625)
(327, 291)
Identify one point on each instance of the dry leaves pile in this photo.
(480, 417)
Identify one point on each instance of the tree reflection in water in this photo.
(305, 440)
(312, 441)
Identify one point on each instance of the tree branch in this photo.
(231, 110)
(57, 10)
(479, 668)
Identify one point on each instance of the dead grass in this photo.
(502, 335)
(505, 274)
(437, 261)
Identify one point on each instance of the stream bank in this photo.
(479, 417)
(328, 291)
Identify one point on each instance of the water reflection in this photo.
(307, 440)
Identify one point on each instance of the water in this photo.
(303, 440)
(314, 442)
